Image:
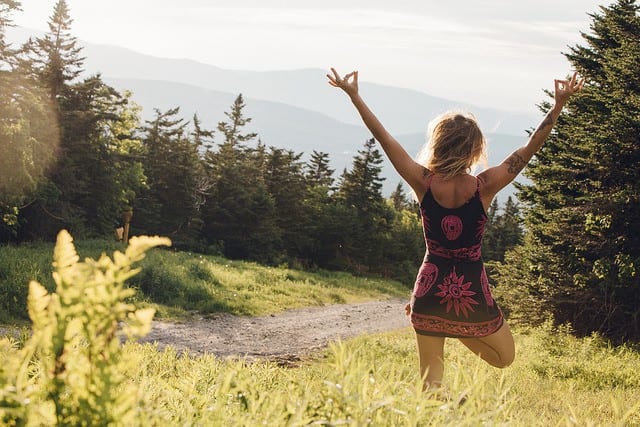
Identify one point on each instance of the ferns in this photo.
(70, 370)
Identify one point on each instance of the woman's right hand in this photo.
(348, 83)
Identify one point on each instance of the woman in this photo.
(451, 296)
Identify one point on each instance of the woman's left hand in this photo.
(407, 309)
(348, 83)
(565, 88)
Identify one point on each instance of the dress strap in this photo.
(477, 185)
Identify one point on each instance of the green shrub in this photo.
(70, 371)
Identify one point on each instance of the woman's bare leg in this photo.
(431, 354)
(496, 349)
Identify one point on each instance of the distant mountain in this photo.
(283, 125)
(293, 109)
(403, 110)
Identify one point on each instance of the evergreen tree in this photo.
(581, 255)
(171, 204)
(233, 127)
(57, 58)
(202, 138)
(318, 172)
(7, 54)
(239, 213)
(361, 186)
(28, 135)
(400, 200)
(285, 182)
(490, 240)
(503, 230)
(97, 173)
(321, 230)
(366, 215)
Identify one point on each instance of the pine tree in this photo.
(503, 230)
(239, 214)
(202, 138)
(367, 217)
(233, 127)
(7, 54)
(171, 204)
(490, 240)
(285, 183)
(28, 132)
(400, 200)
(581, 254)
(57, 58)
(318, 171)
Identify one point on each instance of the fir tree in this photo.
(28, 132)
(171, 204)
(399, 199)
(7, 54)
(233, 127)
(503, 230)
(367, 216)
(581, 256)
(57, 58)
(285, 183)
(239, 213)
(318, 172)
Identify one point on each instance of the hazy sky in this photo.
(499, 53)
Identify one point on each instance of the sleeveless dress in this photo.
(451, 295)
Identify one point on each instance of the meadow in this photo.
(372, 380)
(178, 283)
(557, 379)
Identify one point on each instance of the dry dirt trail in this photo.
(284, 337)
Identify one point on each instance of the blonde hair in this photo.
(455, 145)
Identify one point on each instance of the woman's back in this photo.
(454, 192)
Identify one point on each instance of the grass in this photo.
(373, 380)
(177, 283)
(557, 379)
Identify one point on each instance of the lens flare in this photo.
(29, 137)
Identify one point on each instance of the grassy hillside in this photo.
(557, 379)
(178, 282)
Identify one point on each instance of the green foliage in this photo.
(28, 131)
(69, 371)
(73, 369)
(176, 283)
(57, 59)
(580, 259)
(366, 215)
(503, 230)
(176, 182)
(373, 380)
(81, 160)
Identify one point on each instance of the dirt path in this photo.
(285, 337)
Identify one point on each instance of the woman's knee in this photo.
(504, 362)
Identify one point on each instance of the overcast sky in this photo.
(498, 53)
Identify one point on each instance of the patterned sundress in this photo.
(451, 295)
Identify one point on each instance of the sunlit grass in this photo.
(373, 380)
(177, 283)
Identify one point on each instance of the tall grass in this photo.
(176, 283)
(373, 380)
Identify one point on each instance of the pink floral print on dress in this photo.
(451, 227)
(455, 292)
(426, 278)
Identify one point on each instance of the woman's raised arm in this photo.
(411, 171)
(498, 177)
